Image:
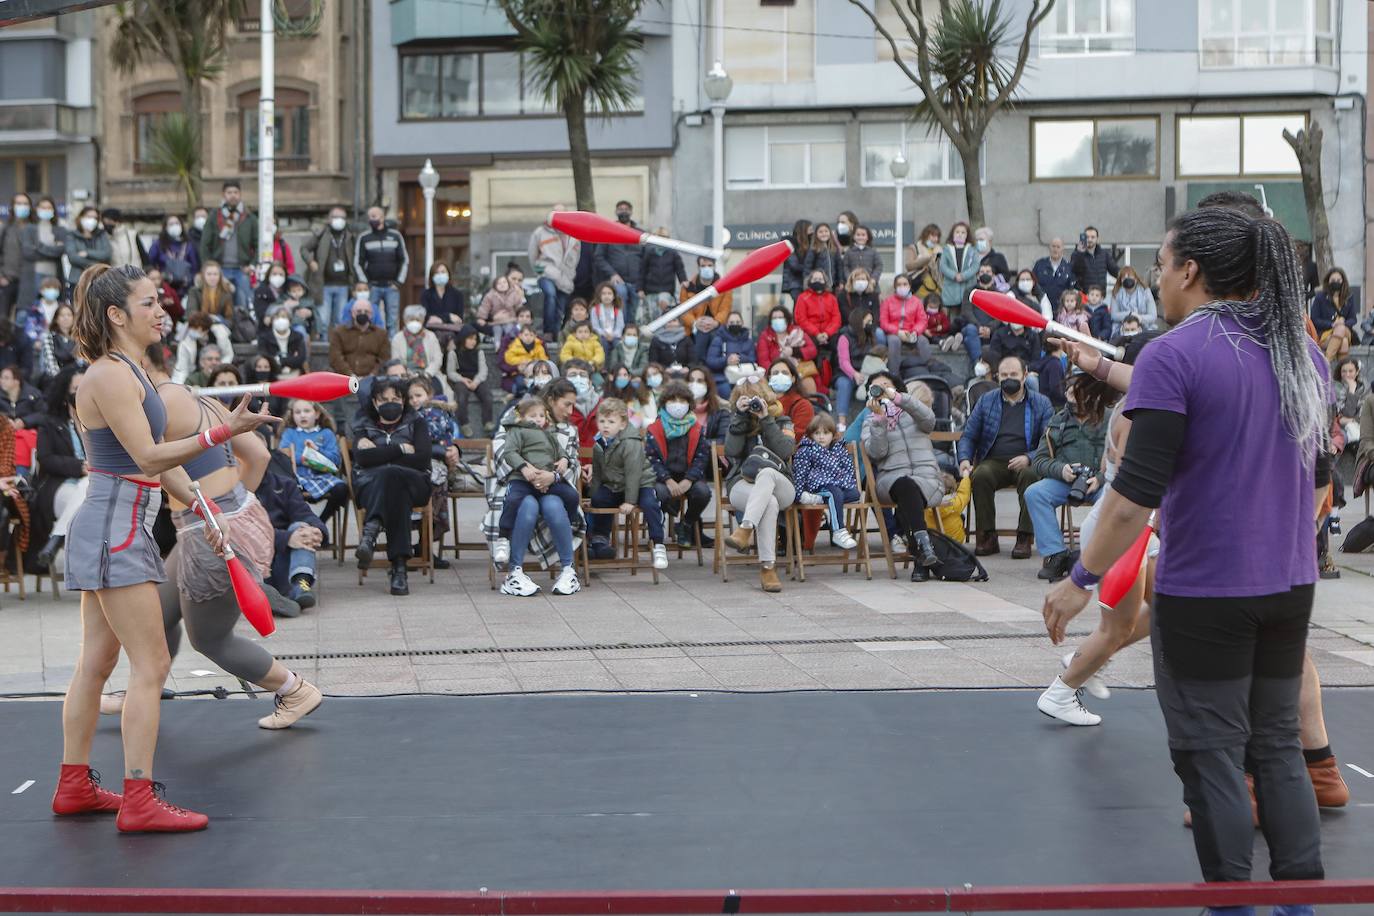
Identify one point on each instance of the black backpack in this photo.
(1360, 538)
(957, 562)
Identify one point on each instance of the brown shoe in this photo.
(1332, 792)
(304, 699)
(987, 545)
(768, 578)
(1022, 550)
(741, 539)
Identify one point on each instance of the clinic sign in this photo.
(756, 235)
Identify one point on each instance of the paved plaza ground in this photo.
(836, 631)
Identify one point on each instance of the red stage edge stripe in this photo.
(670, 903)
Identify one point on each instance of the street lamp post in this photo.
(718, 86)
(898, 167)
(429, 181)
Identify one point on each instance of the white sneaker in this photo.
(500, 554)
(843, 539)
(1061, 702)
(660, 556)
(898, 545)
(519, 584)
(567, 583)
(1094, 685)
(810, 499)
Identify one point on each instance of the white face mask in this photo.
(88, 223)
(677, 410)
(860, 285)
(781, 383)
(198, 223)
(337, 224)
(539, 381)
(1025, 286)
(281, 325)
(44, 214)
(708, 274)
(413, 327)
(174, 230)
(698, 389)
(630, 341)
(980, 370)
(441, 279)
(277, 281)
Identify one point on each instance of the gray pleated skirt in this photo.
(110, 543)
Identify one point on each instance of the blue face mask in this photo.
(622, 382)
(581, 383)
(780, 383)
(50, 295)
(779, 325)
(21, 211)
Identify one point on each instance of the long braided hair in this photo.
(1249, 268)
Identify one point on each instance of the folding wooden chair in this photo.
(855, 515)
(625, 536)
(479, 447)
(725, 523)
(338, 525)
(425, 561)
(871, 487)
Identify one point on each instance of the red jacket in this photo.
(818, 313)
(586, 428)
(937, 324)
(660, 438)
(769, 349)
(893, 319)
(799, 411)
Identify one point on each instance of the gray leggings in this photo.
(210, 627)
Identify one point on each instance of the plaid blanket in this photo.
(541, 544)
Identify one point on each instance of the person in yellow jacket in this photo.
(951, 508)
(585, 345)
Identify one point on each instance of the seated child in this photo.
(531, 445)
(621, 469)
(309, 425)
(951, 521)
(823, 472)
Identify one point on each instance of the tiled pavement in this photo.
(690, 632)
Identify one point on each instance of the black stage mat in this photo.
(664, 791)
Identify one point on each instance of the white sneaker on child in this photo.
(567, 582)
(500, 554)
(660, 556)
(843, 539)
(519, 584)
(810, 499)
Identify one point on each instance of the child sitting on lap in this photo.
(531, 445)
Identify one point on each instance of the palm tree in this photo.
(192, 36)
(961, 71)
(176, 151)
(578, 52)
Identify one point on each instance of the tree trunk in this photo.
(575, 113)
(973, 185)
(1308, 147)
(191, 105)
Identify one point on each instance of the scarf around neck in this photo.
(676, 429)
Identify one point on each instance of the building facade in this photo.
(1128, 113)
(47, 113)
(318, 110)
(448, 86)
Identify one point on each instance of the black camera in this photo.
(1078, 490)
(876, 392)
(751, 405)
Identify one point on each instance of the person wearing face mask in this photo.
(11, 254)
(554, 256)
(42, 244)
(1336, 300)
(896, 437)
(818, 312)
(845, 225)
(524, 348)
(975, 325)
(730, 348)
(1014, 340)
(794, 268)
(1091, 262)
(784, 338)
(62, 469)
(380, 259)
(661, 269)
(286, 348)
(630, 352)
(467, 376)
(859, 292)
(1131, 297)
(704, 319)
(862, 254)
(199, 334)
(582, 417)
(958, 264)
(681, 460)
(621, 265)
(390, 475)
(584, 345)
(670, 344)
(707, 405)
(329, 256)
(855, 361)
(903, 320)
(359, 347)
(231, 238)
(175, 255)
(991, 257)
(271, 292)
(826, 256)
(783, 380)
(1001, 431)
(418, 347)
(87, 244)
(281, 249)
(126, 247)
(443, 302)
(59, 344)
(921, 261)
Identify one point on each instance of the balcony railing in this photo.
(50, 116)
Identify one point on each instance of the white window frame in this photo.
(1240, 173)
(908, 133)
(1310, 37)
(1049, 39)
(737, 184)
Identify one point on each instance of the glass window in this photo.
(1266, 33)
(501, 84)
(420, 86)
(1089, 27)
(785, 156)
(472, 84)
(459, 89)
(931, 159)
(1095, 148)
(1245, 145)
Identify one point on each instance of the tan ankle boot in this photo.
(289, 709)
(741, 539)
(768, 578)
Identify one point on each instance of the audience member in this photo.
(585, 345)
(1054, 272)
(418, 347)
(62, 469)
(711, 314)
(299, 533)
(1132, 297)
(783, 337)
(330, 260)
(896, 436)
(670, 345)
(759, 483)
(467, 375)
(824, 475)
(442, 301)
(380, 259)
(731, 348)
(862, 255)
(620, 266)
(288, 350)
(1091, 262)
(231, 240)
(310, 438)
(824, 255)
(359, 347)
(680, 457)
(796, 409)
(554, 256)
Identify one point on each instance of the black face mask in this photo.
(375, 223)
(1335, 285)
(1128, 283)
(985, 279)
(362, 320)
(1011, 386)
(735, 329)
(623, 216)
(391, 411)
(817, 286)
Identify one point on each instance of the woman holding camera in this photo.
(896, 437)
(1069, 462)
(759, 448)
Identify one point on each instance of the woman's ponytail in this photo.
(100, 287)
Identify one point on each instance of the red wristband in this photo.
(215, 435)
(214, 507)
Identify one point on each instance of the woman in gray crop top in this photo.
(111, 554)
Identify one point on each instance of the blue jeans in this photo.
(333, 308)
(844, 395)
(605, 498)
(391, 296)
(628, 297)
(972, 342)
(1042, 499)
(555, 516)
(555, 304)
(242, 290)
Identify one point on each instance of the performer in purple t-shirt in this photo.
(1231, 401)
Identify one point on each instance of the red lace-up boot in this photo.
(79, 792)
(145, 811)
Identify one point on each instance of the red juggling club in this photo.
(1013, 311)
(252, 602)
(760, 263)
(590, 227)
(314, 386)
